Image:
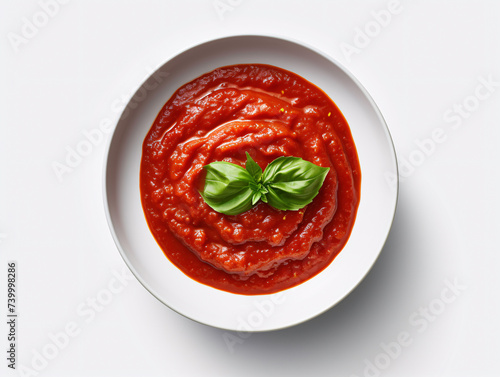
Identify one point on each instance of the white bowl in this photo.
(212, 306)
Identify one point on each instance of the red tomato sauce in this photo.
(268, 112)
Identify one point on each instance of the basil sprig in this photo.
(287, 183)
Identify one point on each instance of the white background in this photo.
(73, 72)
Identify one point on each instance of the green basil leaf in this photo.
(292, 182)
(227, 188)
(253, 168)
(263, 196)
(259, 192)
(256, 196)
(287, 183)
(236, 204)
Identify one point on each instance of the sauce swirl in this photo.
(268, 112)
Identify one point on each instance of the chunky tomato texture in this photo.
(268, 112)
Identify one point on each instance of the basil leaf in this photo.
(287, 183)
(253, 168)
(292, 182)
(236, 204)
(256, 196)
(259, 192)
(227, 188)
